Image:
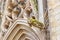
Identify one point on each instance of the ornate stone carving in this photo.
(22, 31)
(15, 21)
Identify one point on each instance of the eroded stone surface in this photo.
(54, 17)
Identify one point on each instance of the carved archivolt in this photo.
(22, 31)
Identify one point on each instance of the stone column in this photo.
(40, 8)
(54, 17)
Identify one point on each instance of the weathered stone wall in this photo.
(54, 17)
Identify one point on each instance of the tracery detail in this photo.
(24, 11)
